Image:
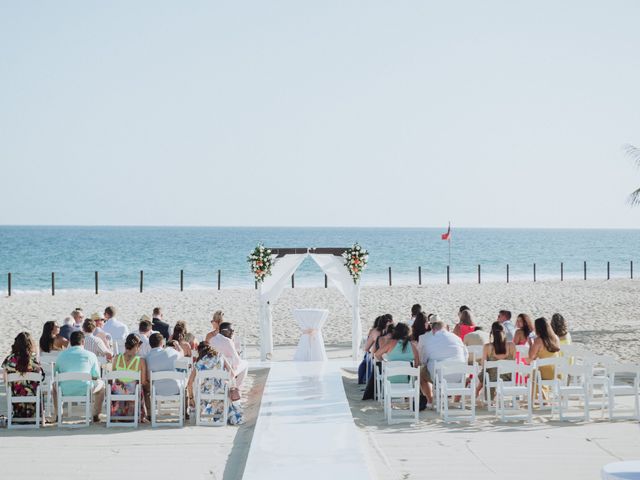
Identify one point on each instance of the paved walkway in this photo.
(305, 430)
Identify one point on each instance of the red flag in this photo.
(445, 236)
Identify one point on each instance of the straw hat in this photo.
(95, 316)
(145, 317)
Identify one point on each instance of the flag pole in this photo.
(449, 240)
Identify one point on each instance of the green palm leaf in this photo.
(634, 154)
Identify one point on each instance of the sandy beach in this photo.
(601, 314)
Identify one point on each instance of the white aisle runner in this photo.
(305, 430)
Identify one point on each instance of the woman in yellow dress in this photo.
(546, 345)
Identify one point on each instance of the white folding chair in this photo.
(572, 382)
(437, 380)
(556, 363)
(599, 380)
(184, 364)
(409, 389)
(384, 364)
(48, 363)
(488, 385)
(169, 409)
(218, 395)
(516, 392)
(574, 353)
(72, 400)
(453, 378)
(630, 387)
(523, 350)
(378, 374)
(26, 422)
(123, 420)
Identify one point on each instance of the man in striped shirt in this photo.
(93, 343)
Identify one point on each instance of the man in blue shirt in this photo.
(78, 360)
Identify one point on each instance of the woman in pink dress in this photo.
(466, 324)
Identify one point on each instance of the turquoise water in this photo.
(119, 253)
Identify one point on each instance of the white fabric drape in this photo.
(271, 289)
(311, 344)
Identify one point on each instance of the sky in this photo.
(332, 113)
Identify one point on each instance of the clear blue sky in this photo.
(381, 113)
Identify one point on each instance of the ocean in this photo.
(31, 253)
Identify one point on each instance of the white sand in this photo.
(601, 314)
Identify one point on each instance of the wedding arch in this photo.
(281, 263)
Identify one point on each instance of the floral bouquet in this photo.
(355, 259)
(261, 262)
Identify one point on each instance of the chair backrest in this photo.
(68, 376)
(599, 362)
(506, 367)
(575, 374)
(457, 368)
(213, 373)
(184, 363)
(48, 357)
(624, 369)
(554, 361)
(167, 375)
(523, 350)
(129, 375)
(24, 377)
(402, 370)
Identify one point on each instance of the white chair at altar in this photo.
(311, 345)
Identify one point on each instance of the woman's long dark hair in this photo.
(179, 333)
(47, 338)
(206, 350)
(466, 318)
(559, 325)
(498, 338)
(419, 326)
(527, 324)
(401, 334)
(383, 323)
(545, 333)
(23, 348)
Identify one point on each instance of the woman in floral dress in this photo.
(209, 359)
(23, 360)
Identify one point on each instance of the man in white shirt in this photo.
(116, 329)
(504, 317)
(78, 318)
(225, 347)
(160, 359)
(436, 346)
(144, 331)
(94, 344)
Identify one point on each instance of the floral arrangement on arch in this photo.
(356, 259)
(261, 262)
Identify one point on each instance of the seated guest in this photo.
(78, 318)
(99, 331)
(160, 359)
(129, 360)
(159, 325)
(374, 343)
(210, 359)
(476, 338)
(179, 335)
(387, 325)
(465, 325)
(174, 345)
(399, 348)
(215, 324)
(498, 349)
(463, 308)
(22, 359)
(415, 309)
(524, 330)
(504, 317)
(78, 360)
(113, 326)
(420, 327)
(546, 345)
(188, 336)
(437, 345)
(67, 328)
(51, 340)
(144, 331)
(366, 366)
(226, 348)
(559, 326)
(93, 343)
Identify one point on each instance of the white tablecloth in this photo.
(311, 345)
(621, 471)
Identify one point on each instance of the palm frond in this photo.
(632, 152)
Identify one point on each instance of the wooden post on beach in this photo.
(608, 271)
(561, 271)
(389, 276)
(141, 281)
(9, 283)
(293, 280)
(53, 283)
(478, 273)
(326, 281)
(419, 275)
(95, 279)
(448, 275)
(219, 279)
(631, 269)
(534, 272)
(585, 269)
(507, 273)
(255, 284)
(181, 280)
